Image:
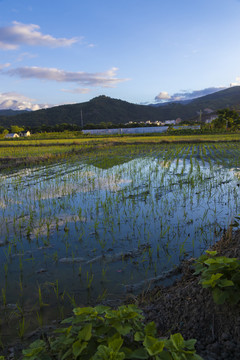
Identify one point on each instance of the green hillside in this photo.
(106, 109)
(10, 112)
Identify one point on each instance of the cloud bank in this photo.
(15, 101)
(103, 79)
(11, 37)
(237, 80)
(186, 95)
(77, 91)
(3, 66)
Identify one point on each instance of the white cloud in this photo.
(237, 82)
(76, 91)
(163, 95)
(25, 55)
(104, 79)
(3, 66)
(15, 101)
(11, 37)
(186, 94)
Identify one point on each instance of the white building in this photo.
(11, 136)
(25, 133)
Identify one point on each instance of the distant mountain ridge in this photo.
(106, 109)
(10, 112)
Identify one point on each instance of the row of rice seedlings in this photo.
(138, 209)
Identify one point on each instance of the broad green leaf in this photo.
(86, 333)
(234, 297)
(225, 283)
(212, 281)
(67, 354)
(78, 347)
(84, 311)
(102, 309)
(30, 353)
(115, 342)
(65, 331)
(105, 353)
(139, 336)
(190, 344)
(67, 321)
(153, 345)
(212, 253)
(37, 344)
(219, 296)
(177, 340)
(122, 329)
(196, 357)
(150, 329)
(210, 261)
(34, 349)
(236, 278)
(165, 355)
(138, 354)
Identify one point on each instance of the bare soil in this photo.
(188, 308)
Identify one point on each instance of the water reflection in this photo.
(97, 231)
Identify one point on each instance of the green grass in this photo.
(31, 150)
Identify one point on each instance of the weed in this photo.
(104, 333)
(221, 275)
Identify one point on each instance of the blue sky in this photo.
(142, 51)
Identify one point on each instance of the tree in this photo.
(1, 129)
(16, 129)
(4, 133)
(227, 119)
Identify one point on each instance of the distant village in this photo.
(17, 135)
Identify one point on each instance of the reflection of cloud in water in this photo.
(3, 205)
(236, 172)
(165, 164)
(95, 184)
(49, 227)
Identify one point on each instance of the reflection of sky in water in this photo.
(178, 206)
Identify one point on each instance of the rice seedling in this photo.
(4, 298)
(40, 299)
(21, 328)
(174, 198)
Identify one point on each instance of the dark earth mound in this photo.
(189, 309)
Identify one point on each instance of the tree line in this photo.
(227, 120)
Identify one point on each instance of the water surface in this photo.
(92, 229)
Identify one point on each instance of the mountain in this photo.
(106, 109)
(97, 110)
(10, 112)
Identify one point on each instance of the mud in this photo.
(188, 308)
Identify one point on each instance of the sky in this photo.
(141, 51)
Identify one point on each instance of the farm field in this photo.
(92, 228)
(30, 151)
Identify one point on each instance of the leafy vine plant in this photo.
(221, 275)
(102, 333)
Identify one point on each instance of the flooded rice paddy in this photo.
(93, 229)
